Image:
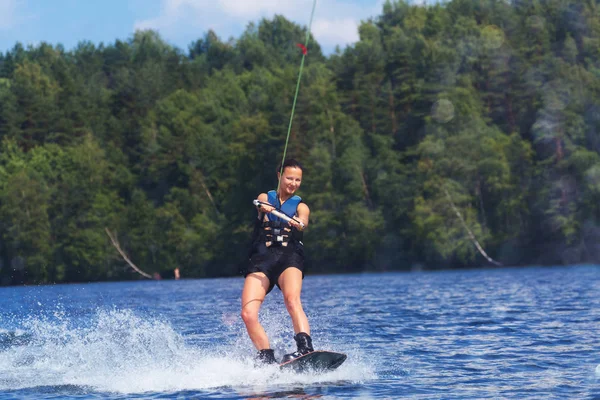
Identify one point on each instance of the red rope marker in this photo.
(304, 49)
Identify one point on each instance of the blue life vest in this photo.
(289, 207)
(275, 231)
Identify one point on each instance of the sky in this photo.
(179, 22)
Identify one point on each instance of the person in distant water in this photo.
(277, 258)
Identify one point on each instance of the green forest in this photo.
(446, 133)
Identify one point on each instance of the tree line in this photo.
(444, 126)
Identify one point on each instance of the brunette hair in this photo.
(290, 162)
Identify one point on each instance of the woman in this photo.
(277, 258)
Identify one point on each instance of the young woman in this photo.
(277, 258)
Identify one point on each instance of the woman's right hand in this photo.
(266, 208)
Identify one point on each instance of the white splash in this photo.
(120, 352)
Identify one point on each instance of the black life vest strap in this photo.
(277, 233)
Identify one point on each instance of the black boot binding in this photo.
(266, 356)
(305, 346)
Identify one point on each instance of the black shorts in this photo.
(273, 260)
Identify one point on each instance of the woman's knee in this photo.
(292, 303)
(249, 316)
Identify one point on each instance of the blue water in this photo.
(502, 333)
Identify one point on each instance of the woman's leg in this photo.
(290, 282)
(255, 290)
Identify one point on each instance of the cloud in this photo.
(13, 15)
(335, 22)
(258, 8)
(8, 9)
(333, 32)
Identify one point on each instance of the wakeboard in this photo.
(316, 361)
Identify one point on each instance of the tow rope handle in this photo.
(277, 213)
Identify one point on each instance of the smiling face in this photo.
(290, 181)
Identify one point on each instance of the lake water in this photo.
(497, 333)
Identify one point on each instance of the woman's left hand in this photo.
(297, 224)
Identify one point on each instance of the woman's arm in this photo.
(264, 207)
(303, 213)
